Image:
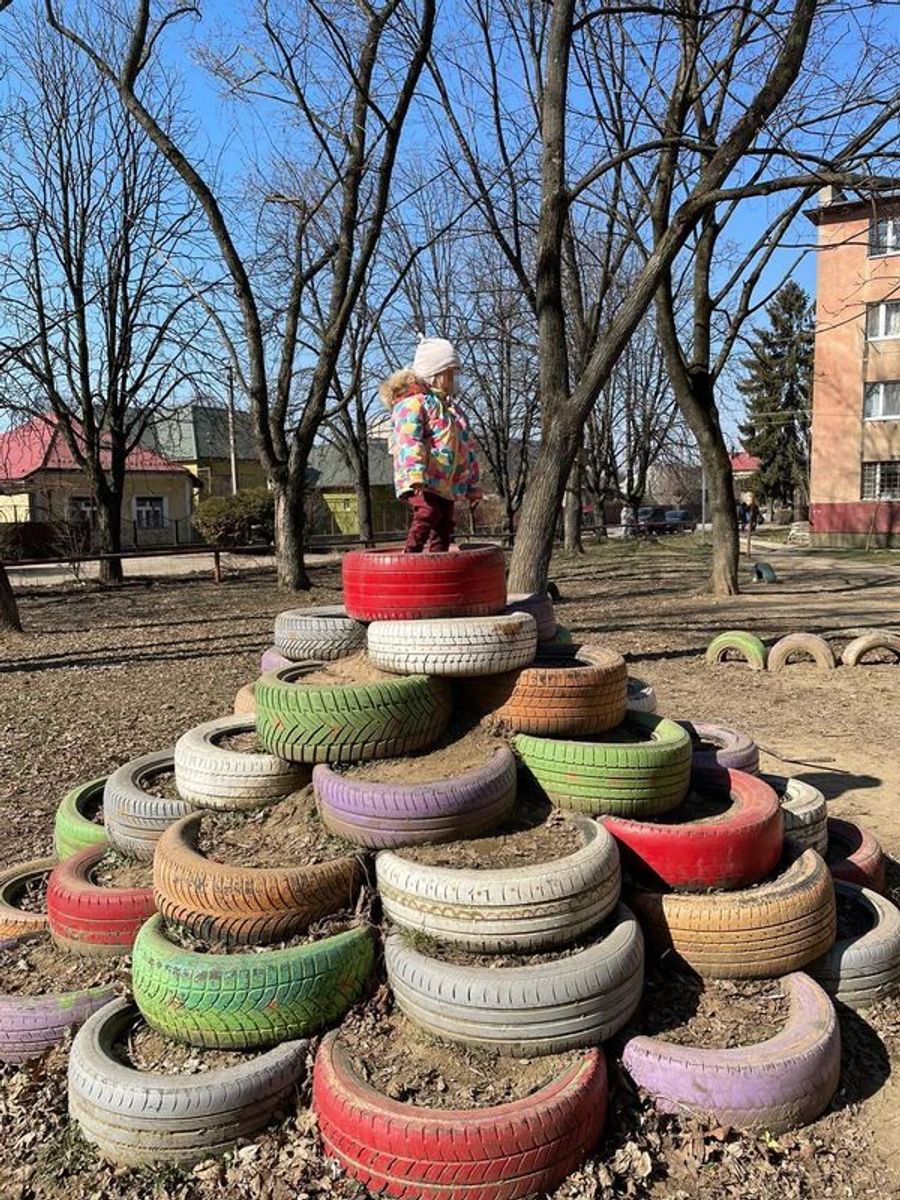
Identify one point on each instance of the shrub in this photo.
(236, 520)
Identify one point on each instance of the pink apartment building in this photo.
(855, 466)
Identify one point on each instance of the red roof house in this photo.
(41, 481)
(744, 463)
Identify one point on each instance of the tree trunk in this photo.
(10, 621)
(533, 549)
(109, 527)
(289, 521)
(363, 493)
(720, 490)
(572, 540)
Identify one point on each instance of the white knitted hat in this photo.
(434, 355)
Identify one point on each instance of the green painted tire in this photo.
(743, 643)
(610, 778)
(349, 723)
(247, 1000)
(72, 830)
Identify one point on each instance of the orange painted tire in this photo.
(574, 695)
(523, 1148)
(245, 701)
(18, 922)
(223, 902)
(90, 920)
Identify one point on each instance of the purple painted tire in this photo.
(380, 815)
(273, 660)
(733, 750)
(31, 1025)
(540, 606)
(778, 1084)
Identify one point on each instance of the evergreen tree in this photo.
(778, 389)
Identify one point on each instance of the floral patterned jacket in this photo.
(431, 444)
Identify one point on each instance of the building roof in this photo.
(329, 469)
(39, 445)
(200, 430)
(834, 205)
(744, 462)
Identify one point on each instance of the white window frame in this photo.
(892, 240)
(881, 308)
(880, 493)
(165, 511)
(82, 507)
(878, 388)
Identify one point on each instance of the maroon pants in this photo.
(432, 523)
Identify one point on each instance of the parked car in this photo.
(679, 520)
(652, 520)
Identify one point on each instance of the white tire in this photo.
(509, 910)
(318, 634)
(544, 1008)
(458, 646)
(641, 696)
(861, 970)
(134, 818)
(805, 813)
(212, 776)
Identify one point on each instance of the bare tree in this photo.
(346, 74)
(635, 423)
(674, 167)
(97, 334)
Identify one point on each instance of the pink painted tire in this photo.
(31, 1025)
(855, 854)
(379, 815)
(273, 660)
(540, 606)
(775, 1085)
(733, 750)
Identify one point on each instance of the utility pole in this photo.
(231, 443)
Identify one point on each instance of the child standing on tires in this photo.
(434, 456)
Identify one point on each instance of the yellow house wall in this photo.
(53, 489)
(214, 475)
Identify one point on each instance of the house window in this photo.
(883, 320)
(884, 236)
(881, 480)
(882, 401)
(83, 508)
(149, 512)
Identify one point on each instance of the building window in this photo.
(149, 512)
(882, 401)
(881, 480)
(83, 508)
(884, 236)
(883, 320)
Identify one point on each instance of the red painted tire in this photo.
(854, 854)
(90, 920)
(524, 1148)
(387, 585)
(732, 850)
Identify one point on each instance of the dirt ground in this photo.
(98, 679)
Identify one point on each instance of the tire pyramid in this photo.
(745, 893)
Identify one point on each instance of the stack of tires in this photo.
(229, 957)
(256, 1000)
(731, 898)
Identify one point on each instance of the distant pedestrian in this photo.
(435, 462)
